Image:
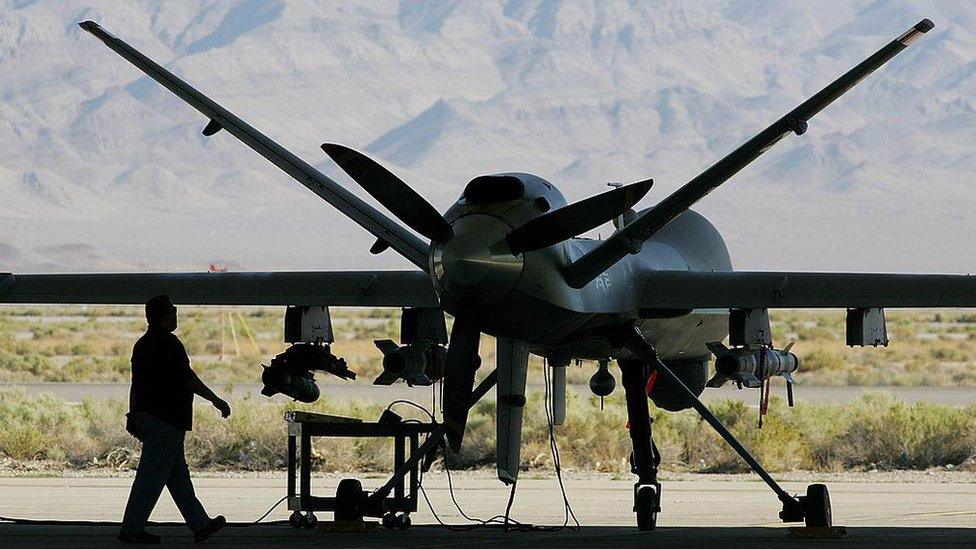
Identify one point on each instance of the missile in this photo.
(750, 366)
(419, 363)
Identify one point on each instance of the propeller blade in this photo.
(391, 192)
(461, 364)
(576, 218)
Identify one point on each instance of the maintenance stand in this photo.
(351, 503)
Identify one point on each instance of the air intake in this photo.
(488, 189)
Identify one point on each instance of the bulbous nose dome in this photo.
(472, 267)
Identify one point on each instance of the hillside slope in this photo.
(101, 169)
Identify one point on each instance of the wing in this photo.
(629, 239)
(735, 290)
(352, 288)
(382, 227)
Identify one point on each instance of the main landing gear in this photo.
(813, 509)
(645, 459)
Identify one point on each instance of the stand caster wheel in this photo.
(647, 504)
(400, 522)
(310, 521)
(295, 520)
(816, 507)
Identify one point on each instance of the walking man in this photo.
(160, 414)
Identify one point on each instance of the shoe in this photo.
(210, 529)
(138, 537)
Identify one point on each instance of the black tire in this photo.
(310, 521)
(349, 499)
(295, 520)
(389, 521)
(816, 507)
(645, 506)
(403, 521)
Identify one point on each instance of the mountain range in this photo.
(102, 169)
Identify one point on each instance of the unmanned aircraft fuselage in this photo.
(525, 297)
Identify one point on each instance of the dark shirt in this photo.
(160, 379)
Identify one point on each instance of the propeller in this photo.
(462, 354)
(392, 192)
(579, 217)
(461, 364)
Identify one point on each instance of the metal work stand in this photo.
(813, 509)
(350, 502)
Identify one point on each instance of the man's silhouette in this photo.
(160, 414)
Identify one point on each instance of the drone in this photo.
(658, 295)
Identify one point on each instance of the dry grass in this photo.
(93, 344)
(875, 432)
(928, 347)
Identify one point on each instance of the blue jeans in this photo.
(162, 463)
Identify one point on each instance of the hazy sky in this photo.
(103, 169)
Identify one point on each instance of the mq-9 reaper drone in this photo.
(658, 295)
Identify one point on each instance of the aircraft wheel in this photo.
(295, 520)
(816, 507)
(646, 505)
(389, 521)
(403, 521)
(310, 521)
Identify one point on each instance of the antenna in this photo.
(619, 221)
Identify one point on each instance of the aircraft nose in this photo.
(471, 266)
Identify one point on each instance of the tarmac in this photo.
(901, 509)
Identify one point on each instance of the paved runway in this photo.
(700, 511)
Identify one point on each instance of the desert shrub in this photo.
(29, 365)
(40, 427)
(875, 431)
(884, 432)
(821, 359)
(949, 354)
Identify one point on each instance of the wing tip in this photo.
(912, 34)
(90, 26)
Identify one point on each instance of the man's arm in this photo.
(195, 384)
